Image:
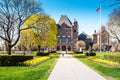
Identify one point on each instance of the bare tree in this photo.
(114, 24)
(109, 3)
(114, 2)
(13, 14)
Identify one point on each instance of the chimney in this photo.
(95, 31)
(75, 22)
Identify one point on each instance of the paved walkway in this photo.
(69, 68)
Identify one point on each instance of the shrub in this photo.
(90, 54)
(112, 57)
(13, 60)
(78, 52)
(53, 52)
(42, 53)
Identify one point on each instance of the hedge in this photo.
(78, 52)
(90, 54)
(52, 51)
(42, 53)
(13, 60)
(112, 57)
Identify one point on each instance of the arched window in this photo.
(69, 48)
(63, 48)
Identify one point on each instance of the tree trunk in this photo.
(9, 49)
(39, 48)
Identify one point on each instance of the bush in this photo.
(42, 53)
(90, 54)
(13, 60)
(52, 51)
(112, 57)
(78, 52)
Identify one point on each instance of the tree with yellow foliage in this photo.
(41, 31)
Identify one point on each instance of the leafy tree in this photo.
(13, 14)
(43, 31)
(114, 24)
(51, 36)
(26, 40)
(27, 36)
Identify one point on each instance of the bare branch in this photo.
(13, 13)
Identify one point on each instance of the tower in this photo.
(75, 31)
(67, 34)
(95, 39)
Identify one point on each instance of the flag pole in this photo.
(100, 25)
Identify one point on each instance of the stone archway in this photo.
(81, 44)
(63, 48)
(69, 48)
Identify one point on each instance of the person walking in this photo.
(63, 53)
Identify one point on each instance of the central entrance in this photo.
(63, 48)
(81, 45)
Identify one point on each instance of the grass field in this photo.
(40, 72)
(109, 72)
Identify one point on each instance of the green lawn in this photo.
(103, 70)
(40, 72)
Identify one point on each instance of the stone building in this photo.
(67, 34)
(68, 38)
(84, 41)
(101, 40)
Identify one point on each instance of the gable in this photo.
(65, 20)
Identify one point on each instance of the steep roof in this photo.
(83, 35)
(65, 19)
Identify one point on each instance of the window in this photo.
(95, 36)
(63, 39)
(69, 39)
(58, 36)
(74, 31)
(95, 41)
(59, 39)
(66, 32)
(104, 39)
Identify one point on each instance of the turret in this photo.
(75, 30)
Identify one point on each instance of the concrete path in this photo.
(69, 68)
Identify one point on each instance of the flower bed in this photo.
(36, 61)
(79, 55)
(107, 62)
(112, 57)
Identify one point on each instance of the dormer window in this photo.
(58, 36)
(66, 32)
(74, 31)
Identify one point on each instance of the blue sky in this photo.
(84, 11)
